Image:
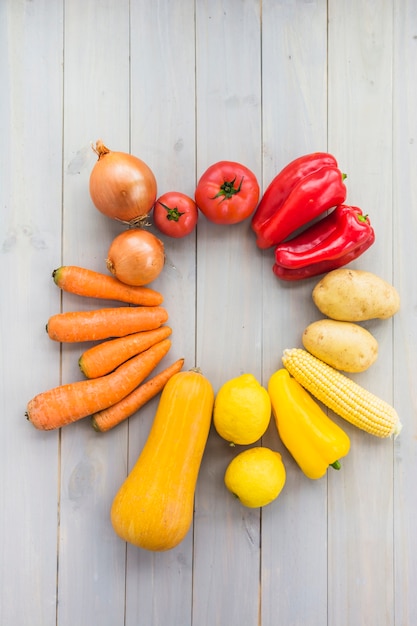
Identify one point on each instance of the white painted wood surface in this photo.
(182, 85)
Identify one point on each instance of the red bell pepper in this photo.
(332, 242)
(285, 181)
(310, 197)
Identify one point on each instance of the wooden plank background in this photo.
(183, 85)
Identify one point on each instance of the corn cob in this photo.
(341, 394)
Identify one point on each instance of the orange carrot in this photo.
(104, 323)
(68, 403)
(117, 413)
(85, 282)
(106, 356)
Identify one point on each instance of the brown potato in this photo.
(343, 345)
(355, 296)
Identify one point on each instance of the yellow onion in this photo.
(136, 257)
(122, 186)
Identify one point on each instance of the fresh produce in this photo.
(104, 357)
(122, 186)
(85, 282)
(227, 192)
(68, 403)
(314, 440)
(116, 413)
(153, 508)
(341, 394)
(73, 326)
(136, 257)
(304, 198)
(256, 476)
(355, 296)
(242, 410)
(343, 345)
(285, 181)
(332, 242)
(175, 214)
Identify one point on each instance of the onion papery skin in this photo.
(136, 257)
(122, 186)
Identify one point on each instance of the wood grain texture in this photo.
(30, 118)
(404, 159)
(295, 122)
(228, 66)
(163, 133)
(363, 100)
(91, 581)
(183, 85)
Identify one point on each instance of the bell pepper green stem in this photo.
(336, 465)
(362, 218)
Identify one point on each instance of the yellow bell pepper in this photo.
(312, 438)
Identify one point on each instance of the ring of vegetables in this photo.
(114, 387)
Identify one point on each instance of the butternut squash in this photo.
(153, 508)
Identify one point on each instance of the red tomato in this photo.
(227, 192)
(175, 214)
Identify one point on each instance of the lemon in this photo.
(242, 410)
(256, 476)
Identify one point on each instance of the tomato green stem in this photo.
(228, 189)
(173, 215)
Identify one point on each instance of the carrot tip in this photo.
(80, 365)
(95, 425)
